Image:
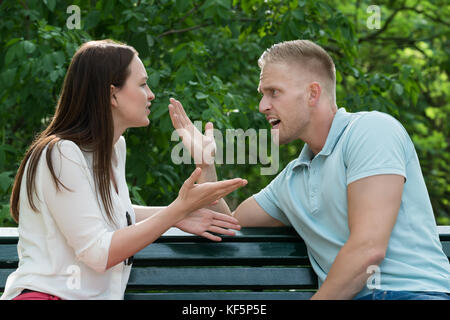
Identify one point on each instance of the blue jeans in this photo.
(405, 295)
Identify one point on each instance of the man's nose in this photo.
(264, 105)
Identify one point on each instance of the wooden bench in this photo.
(256, 264)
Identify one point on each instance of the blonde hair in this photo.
(308, 55)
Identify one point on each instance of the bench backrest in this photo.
(257, 263)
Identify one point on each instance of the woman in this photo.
(77, 227)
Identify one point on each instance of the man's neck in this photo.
(321, 124)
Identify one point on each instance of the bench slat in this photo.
(4, 273)
(277, 234)
(211, 295)
(235, 278)
(232, 278)
(190, 253)
(205, 253)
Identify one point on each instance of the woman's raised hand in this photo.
(193, 196)
(201, 147)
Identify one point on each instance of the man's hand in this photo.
(201, 147)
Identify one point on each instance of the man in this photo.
(356, 194)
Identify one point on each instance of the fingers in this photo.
(174, 117)
(194, 177)
(209, 236)
(226, 225)
(180, 113)
(216, 230)
(184, 118)
(229, 186)
(209, 130)
(223, 231)
(225, 218)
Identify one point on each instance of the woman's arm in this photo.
(143, 212)
(127, 241)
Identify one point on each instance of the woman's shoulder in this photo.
(121, 146)
(67, 150)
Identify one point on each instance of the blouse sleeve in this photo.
(76, 211)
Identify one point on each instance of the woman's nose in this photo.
(151, 95)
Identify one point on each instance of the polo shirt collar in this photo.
(340, 122)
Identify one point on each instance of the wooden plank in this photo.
(221, 253)
(10, 235)
(211, 295)
(201, 254)
(232, 278)
(212, 253)
(4, 273)
(8, 256)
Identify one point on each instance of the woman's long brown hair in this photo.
(83, 115)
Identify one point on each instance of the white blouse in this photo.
(63, 248)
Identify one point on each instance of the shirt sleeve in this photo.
(377, 144)
(268, 199)
(76, 211)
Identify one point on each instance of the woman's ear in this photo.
(314, 93)
(113, 97)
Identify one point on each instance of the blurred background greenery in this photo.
(204, 52)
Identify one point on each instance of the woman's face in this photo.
(131, 103)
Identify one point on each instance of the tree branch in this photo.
(184, 30)
(190, 12)
(435, 19)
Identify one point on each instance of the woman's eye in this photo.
(143, 85)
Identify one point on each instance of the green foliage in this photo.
(204, 53)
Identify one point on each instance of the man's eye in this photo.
(274, 92)
(143, 85)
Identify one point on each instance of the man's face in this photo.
(283, 101)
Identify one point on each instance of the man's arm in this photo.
(373, 205)
(202, 149)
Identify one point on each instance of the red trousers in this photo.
(35, 295)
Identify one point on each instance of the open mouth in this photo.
(274, 123)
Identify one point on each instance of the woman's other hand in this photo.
(203, 221)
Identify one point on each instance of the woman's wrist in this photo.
(180, 208)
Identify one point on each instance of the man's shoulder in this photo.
(374, 123)
(375, 131)
(375, 119)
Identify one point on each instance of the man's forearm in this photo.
(209, 175)
(348, 274)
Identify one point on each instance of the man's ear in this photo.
(113, 97)
(314, 90)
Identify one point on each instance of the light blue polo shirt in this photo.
(310, 194)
